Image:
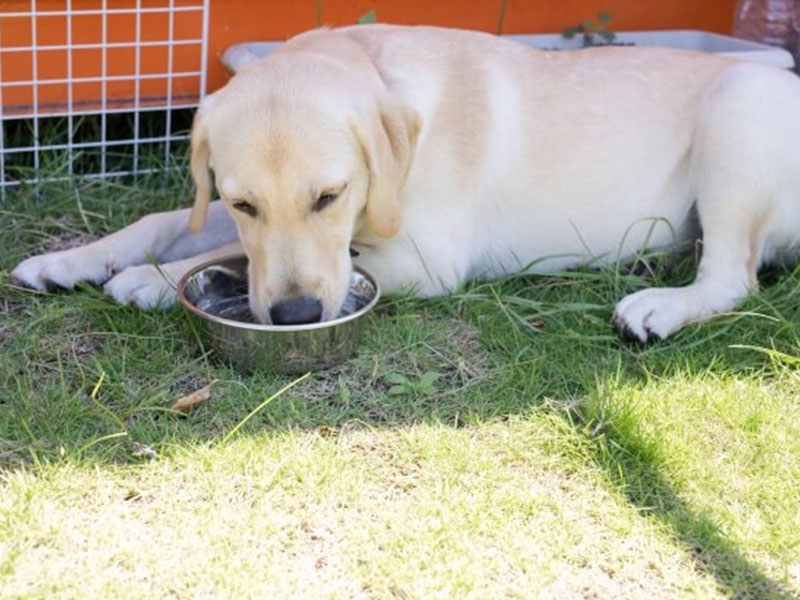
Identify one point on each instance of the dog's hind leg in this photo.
(162, 236)
(745, 169)
(727, 271)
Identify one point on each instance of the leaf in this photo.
(367, 18)
(587, 25)
(396, 378)
(397, 390)
(608, 36)
(325, 431)
(426, 383)
(429, 378)
(570, 32)
(344, 393)
(189, 401)
(604, 17)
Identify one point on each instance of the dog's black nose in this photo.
(296, 311)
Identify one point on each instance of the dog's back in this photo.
(533, 153)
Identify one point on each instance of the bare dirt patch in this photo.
(449, 361)
(85, 344)
(66, 242)
(186, 384)
(65, 234)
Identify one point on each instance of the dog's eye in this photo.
(324, 200)
(246, 208)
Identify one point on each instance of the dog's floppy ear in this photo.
(388, 143)
(201, 173)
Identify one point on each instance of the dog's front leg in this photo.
(163, 236)
(148, 286)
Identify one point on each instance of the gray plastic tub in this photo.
(238, 55)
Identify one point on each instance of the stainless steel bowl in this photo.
(215, 295)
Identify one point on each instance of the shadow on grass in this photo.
(632, 468)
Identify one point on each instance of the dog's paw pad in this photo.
(28, 273)
(144, 287)
(62, 270)
(44, 272)
(627, 333)
(651, 314)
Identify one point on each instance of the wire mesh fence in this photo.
(97, 88)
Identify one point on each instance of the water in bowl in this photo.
(228, 299)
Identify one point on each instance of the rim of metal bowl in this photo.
(262, 326)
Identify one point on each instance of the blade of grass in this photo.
(258, 408)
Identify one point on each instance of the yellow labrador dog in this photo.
(443, 155)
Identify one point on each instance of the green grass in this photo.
(546, 458)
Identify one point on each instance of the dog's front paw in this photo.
(651, 314)
(143, 286)
(64, 269)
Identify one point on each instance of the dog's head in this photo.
(305, 151)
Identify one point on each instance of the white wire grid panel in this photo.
(97, 88)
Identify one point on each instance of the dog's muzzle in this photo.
(296, 311)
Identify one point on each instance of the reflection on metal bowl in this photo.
(215, 295)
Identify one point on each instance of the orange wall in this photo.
(234, 21)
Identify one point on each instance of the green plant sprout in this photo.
(594, 33)
(403, 386)
(367, 18)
